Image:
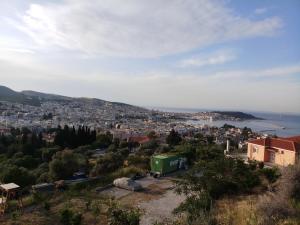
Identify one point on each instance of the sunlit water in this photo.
(280, 124)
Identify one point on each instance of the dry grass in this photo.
(237, 211)
(37, 215)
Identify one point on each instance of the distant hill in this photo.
(35, 98)
(238, 115)
(45, 96)
(9, 95)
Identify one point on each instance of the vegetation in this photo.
(283, 204)
(213, 177)
(212, 181)
(6, 94)
(173, 138)
(121, 216)
(72, 138)
(238, 115)
(26, 158)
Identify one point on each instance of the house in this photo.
(277, 151)
(139, 139)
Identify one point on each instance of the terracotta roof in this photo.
(257, 141)
(294, 138)
(140, 140)
(290, 143)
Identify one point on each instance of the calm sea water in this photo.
(283, 125)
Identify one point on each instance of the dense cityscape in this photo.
(146, 112)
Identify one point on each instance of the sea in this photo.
(280, 124)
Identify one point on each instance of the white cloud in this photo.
(274, 72)
(230, 89)
(216, 58)
(281, 71)
(260, 10)
(138, 28)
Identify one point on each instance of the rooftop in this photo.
(9, 186)
(289, 143)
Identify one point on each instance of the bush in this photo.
(261, 165)
(68, 217)
(76, 219)
(63, 165)
(47, 205)
(18, 175)
(281, 205)
(152, 144)
(118, 216)
(173, 138)
(128, 171)
(272, 174)
(108, 163)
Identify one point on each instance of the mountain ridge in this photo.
(35, 98)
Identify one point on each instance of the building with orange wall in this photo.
(277, 151)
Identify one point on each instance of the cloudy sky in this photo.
(212, 54)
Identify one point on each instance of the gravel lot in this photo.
(160, 209)
(157, 200)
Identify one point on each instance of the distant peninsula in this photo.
(238, 115)
(224, 115)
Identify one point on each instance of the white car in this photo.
(127, 183)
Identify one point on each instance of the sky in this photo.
(212, 54)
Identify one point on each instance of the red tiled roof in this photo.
(290, 143)
(257, 141)
(294, 138)
(140, 140)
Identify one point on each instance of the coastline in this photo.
(283, 125)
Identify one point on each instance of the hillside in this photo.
(34, 98)
(45, 96)
(238, 115)
(9, 95)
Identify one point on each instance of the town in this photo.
(149, 112)
(112, 153)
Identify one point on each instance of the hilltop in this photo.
(34, 98)
(9, 95)
(238, 115)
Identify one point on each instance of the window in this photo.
(255, 149)
(282, 152)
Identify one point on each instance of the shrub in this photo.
(47, 205)
(173, 138)
(66, 216)
(261, 165)
(280, 205)
(272, 174)
(63, 165)
(76, 219)
(18, 175)
(118, 216)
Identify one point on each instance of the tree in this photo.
(173, 138)
(63, 165)
(26, 161)
(18, 175)
(151, 135)
(152, 144)
(47, 153)
(108, 163)
(212, 177)
(72, 138)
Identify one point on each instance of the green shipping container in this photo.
(164, 163)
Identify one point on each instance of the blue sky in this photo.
(219, 54)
